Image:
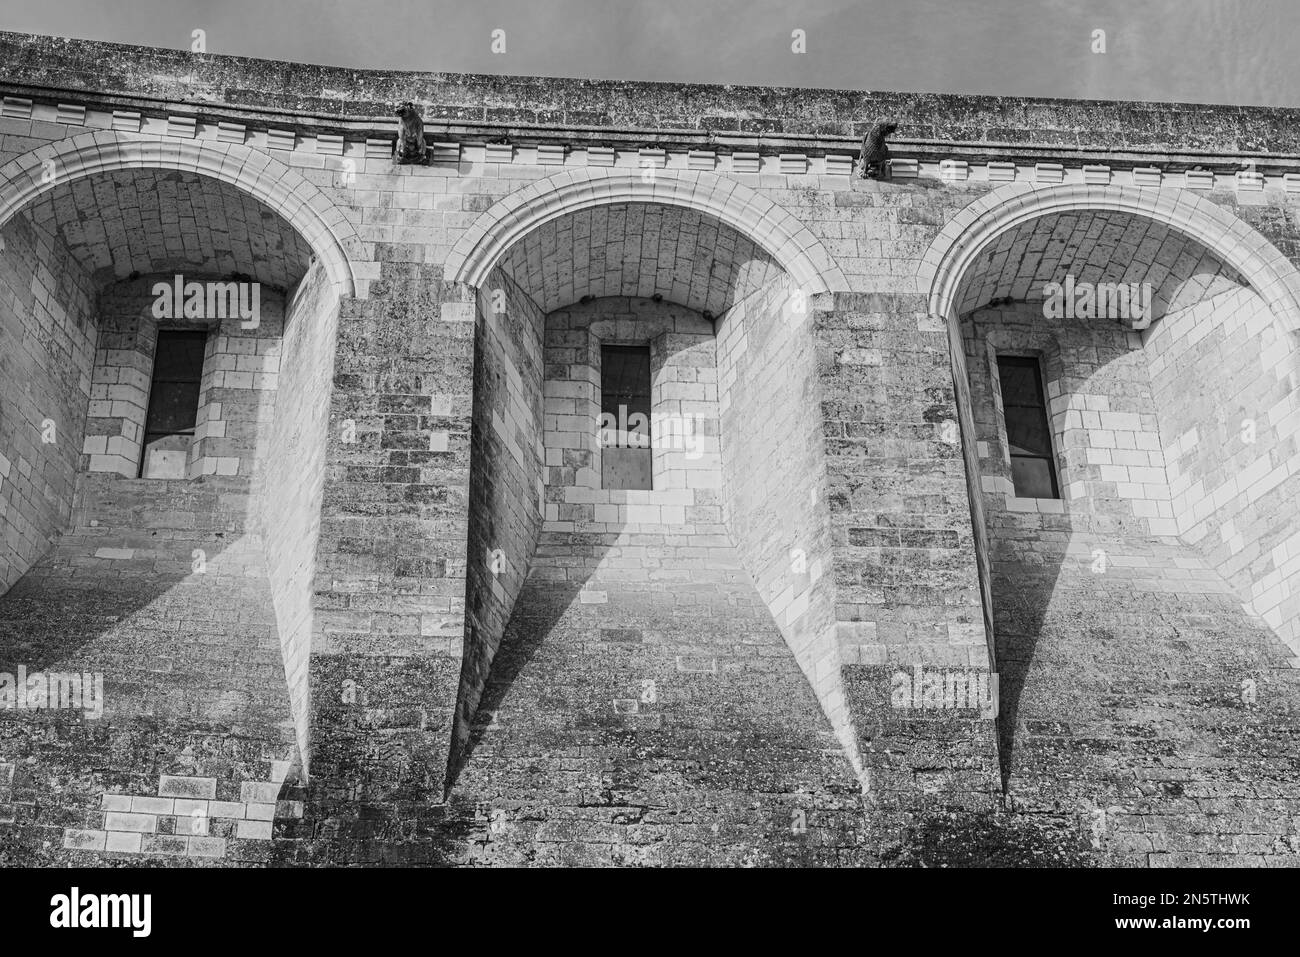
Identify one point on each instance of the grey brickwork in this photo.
(392, 615)
(46, 367)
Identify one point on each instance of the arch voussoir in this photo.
(286, 191)
(944, 265)
(774, 229)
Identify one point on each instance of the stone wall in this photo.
(773, 464)
(1109, 460)
(399, 568)
(1123, 654)
(645, 710)
(47, 343)
(157, 594)
(684, 417)
(390, 569)
(1186, 433)
(241, 365)
(711, 112)
(900, 515)
(506, 478)
(907, 587)
(1223, 376)
(1144, 714)
(292, 480)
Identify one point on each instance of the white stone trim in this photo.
(1147, 176)
(954, 170)
(281, 139)
(16, 108)
(1001, 172)
(125, 121)
(330, 144)
(1048, 172)
(185, 127)
(551, 154)
(232, 133)
(71, 114)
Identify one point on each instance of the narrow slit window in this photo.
(1029, 433)
(173, 402)
(626, 459)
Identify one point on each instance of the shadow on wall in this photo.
(505, 486)
(183, 661)
(541, 605)
(992, 840)
(1022, 593)
(124, 597)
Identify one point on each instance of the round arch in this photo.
(952, 252)
(945, 264)
(285, 191)
(788, 241)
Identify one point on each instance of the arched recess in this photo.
(767, 254)
(1267, 270)
(301, 203)
(289, 530)
(790, 242)
(958, 246)
(1212, 502)
(965, 238)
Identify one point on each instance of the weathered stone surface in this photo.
(393, 616)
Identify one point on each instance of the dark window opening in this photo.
(173, 395)
(1029, 434)
(626, 459)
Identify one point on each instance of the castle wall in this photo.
(47, 342)
(424, 451)
(1103, 613)
(390, 564)
(684, 410)
(293, 477)
(1109, 458)
(241, 366)
(180, 750)
(182, 645)
(1222, 375)
(774, 478)
(506, 479)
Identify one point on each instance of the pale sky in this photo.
(1211, 51)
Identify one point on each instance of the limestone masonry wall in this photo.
(390, 568)
(1223, 378)
(47, 344)
(292, 480)
(506, 477)
(773, 466)
(1107, 442)
(182, 635)
(684, 413)
(392, 563)
(236, 394)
